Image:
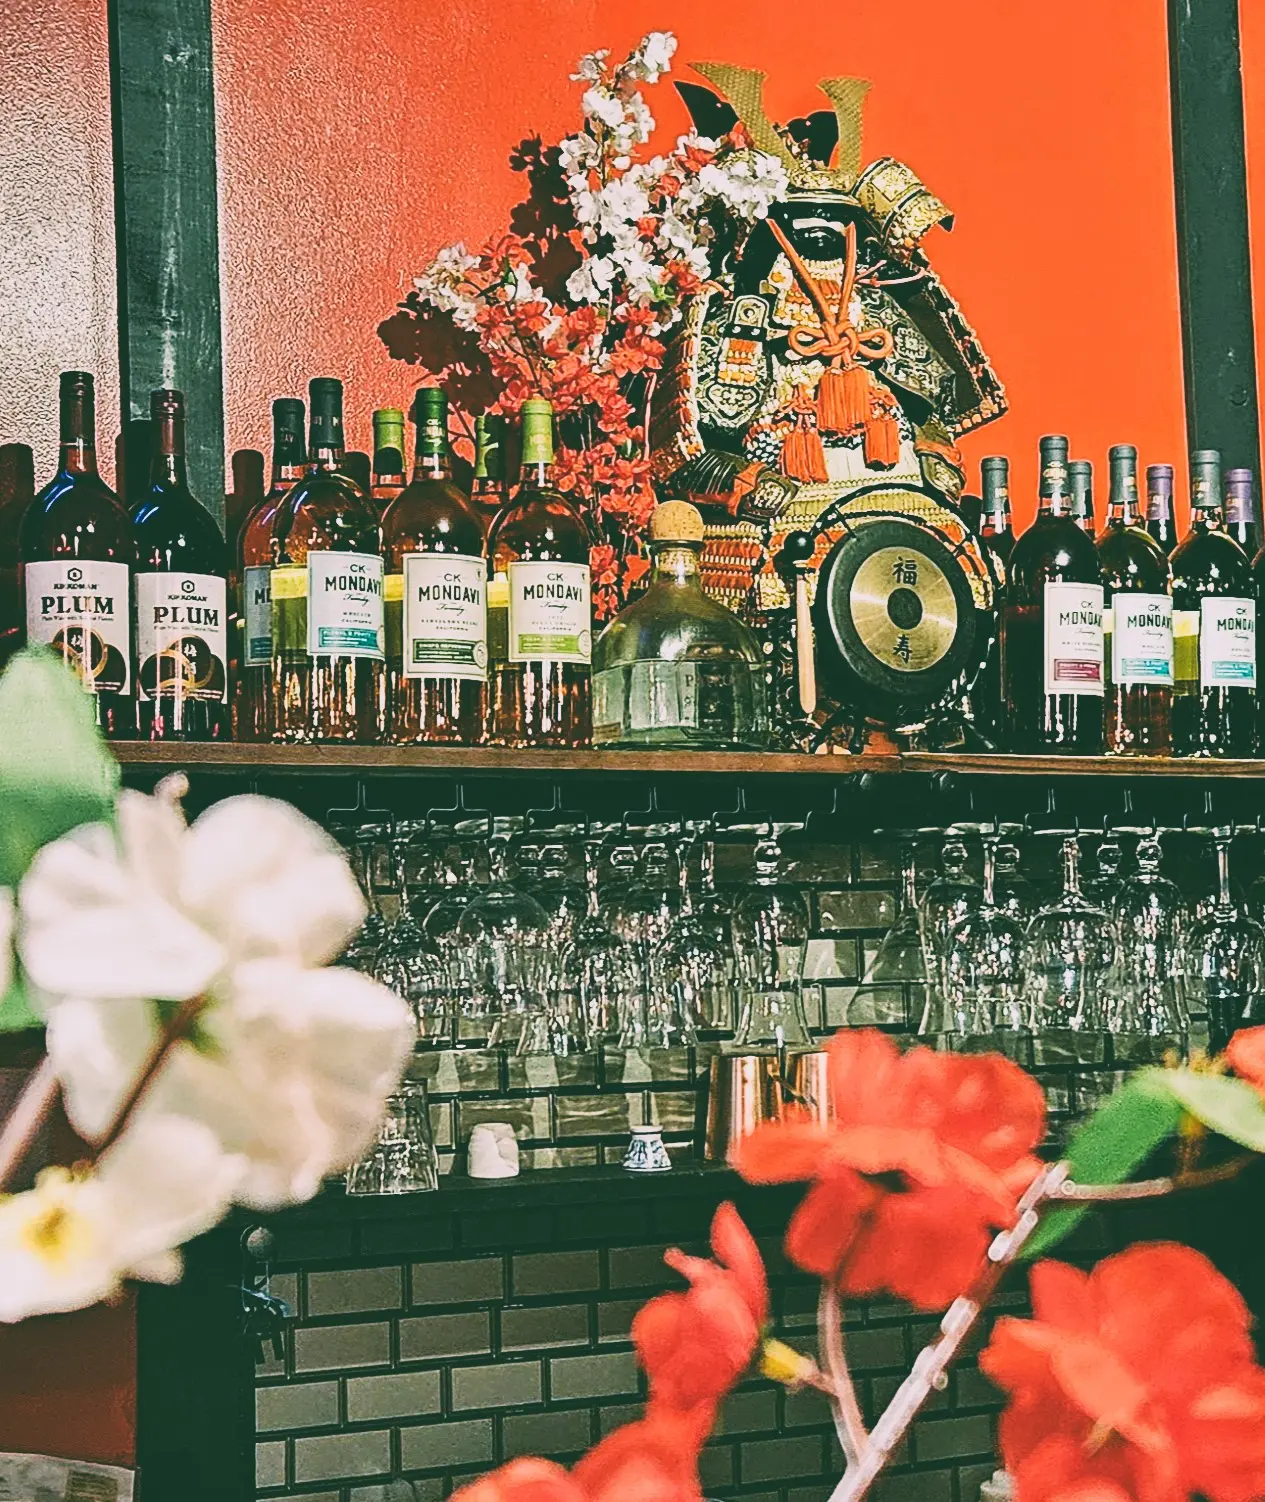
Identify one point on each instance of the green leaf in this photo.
(16, 1011)
(1228, 1106)
(1119, 1137)
(56, 771)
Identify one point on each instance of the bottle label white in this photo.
(83, 610)
(445, 616)
(1227, 643)
(549, 614)
(1142, 639)
(181, 636)
(1073, 639)
(344, 605)
(257, 616)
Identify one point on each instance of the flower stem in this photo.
(22, 1125)
(849, 1424)
(177, 1029)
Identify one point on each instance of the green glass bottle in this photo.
(388, 455)
(436, 597)
(674, 668)
(329, 671)
(540, 619)
(181, 596)
(488, 492)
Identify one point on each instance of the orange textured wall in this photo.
(57, 287)
(357, 136)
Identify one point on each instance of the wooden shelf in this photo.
(251, 760)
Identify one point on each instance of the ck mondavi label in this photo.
(445, 631)
(344, 605)
(549, 615)
(1073, 639)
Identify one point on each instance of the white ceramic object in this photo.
(646, 1152)
(493, 1151)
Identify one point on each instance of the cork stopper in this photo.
(676, 521)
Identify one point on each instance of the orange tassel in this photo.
(843, 399)
(803, 457)
(882, 441)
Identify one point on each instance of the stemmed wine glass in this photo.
(1067, 956)
(365, 841)
(1016, 895)
(599, 968)
(1102, 888)
(692, 976)
(946, 901)
(1225, 959)
(984, 981)
(894, 987)
(405, 960)
(770, 939)
(1147, 989)
(502, 940)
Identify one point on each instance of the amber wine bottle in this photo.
(327, 627)
(76, 555)
(181, 595)
(1051, 632)
(388, 455)
(1242, 518)
(539, 616)
(1080, 480)
(252, 581)
(1137, 621)
(1214, 628)
(1159, 507)
(436, 597)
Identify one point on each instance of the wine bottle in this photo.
(1051, 634)
(327, 627)
(17, 491)
(359, 469)
(1242, 515)
(1214, 628)
(436, 597)
(245, 496)
(181, 596)
(252, 581)
(388, 455)
(1159, 507)
(488, 492)
(995, 523)
(1137, 621)
(77, 554)
(1080, 479)
(540, 620)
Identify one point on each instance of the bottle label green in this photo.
(83, 610)
(344, 605)
(257, 613)
(549, 614)
(181, 637)
(1227, 643)
(445, 616)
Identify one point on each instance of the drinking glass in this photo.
(947, 900)
(1146, 998)
(770, 939)
(402, 1159)
(984, 981)
(1067, 956)
(894, 987)
(599, 967)
(1103, 887)
(1225, 960)
(640, 912)
(691, 976)
(1016, 895)
(365, 841)
(440, 927)
(502, 940)
(405, 960)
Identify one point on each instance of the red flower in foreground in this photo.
(926, 1154)
(695, 1345)
(1245, 1054)
(653, 1460)
(1136, 1381)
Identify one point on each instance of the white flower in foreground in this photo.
(74, 1238)
(6, 939)
(652, 58)
(598, 103)
(289, 1064)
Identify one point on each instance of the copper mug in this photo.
(806, 1082)
(744, 1090)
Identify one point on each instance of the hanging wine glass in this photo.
(1016, 895)
(1147, 1005)
(691, 989)
(502, 938)
(894, 987)
(770, 940)
(1225, 960)
(599, 967)
(405, 960)
(366, 841)
(1102, 888)
(1067, 955)
(946, 901)
(984, 965)
(440, 925)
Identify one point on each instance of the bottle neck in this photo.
(1122, 504)
(325, 456)
(78, 432)
(287, 471)
(167, 468)
(1159, 506)
(536, 474)
(432, 466)
(1055, 495)
(676, 562)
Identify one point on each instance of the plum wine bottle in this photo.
(1051, 632)
(436, 594)
(76, 556)
(1137, 621)
(327, 626)
(181, 596)
(1214, 628)
(540, 620)
(252, 708)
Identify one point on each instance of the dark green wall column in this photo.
(167, 221)
(1214, 264)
